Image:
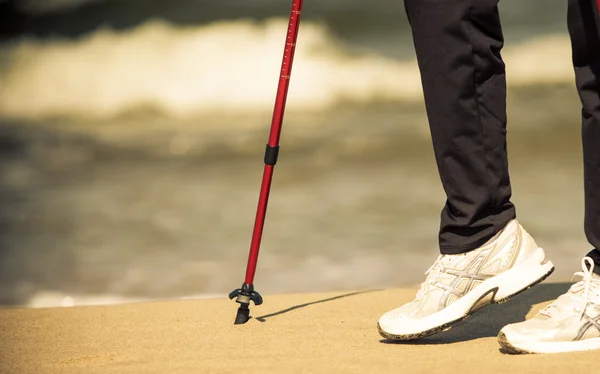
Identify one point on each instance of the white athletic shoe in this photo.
(458, 285)
(571, 323)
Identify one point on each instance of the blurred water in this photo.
(131, 156)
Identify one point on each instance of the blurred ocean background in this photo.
(132, 136)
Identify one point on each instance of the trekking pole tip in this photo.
(243, 315)
(244, 296)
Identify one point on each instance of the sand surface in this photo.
(303, 333)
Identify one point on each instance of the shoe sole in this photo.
(508, 348)
(475, 307)
(548, 347)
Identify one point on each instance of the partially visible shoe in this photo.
(571, 323)
(458, 285)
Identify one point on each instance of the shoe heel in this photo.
(523, 276)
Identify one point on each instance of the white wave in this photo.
(48, 299)
(228, 66)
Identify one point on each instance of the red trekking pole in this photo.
(247, 294)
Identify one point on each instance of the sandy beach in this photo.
(292, 333)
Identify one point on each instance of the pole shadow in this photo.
(266, 316)
(491, 319)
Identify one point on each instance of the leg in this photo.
(585, 39)
(571, 323)
(458, 45)
(487, 256)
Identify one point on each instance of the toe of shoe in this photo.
(396, 326)
(518, 334)
(387, 322)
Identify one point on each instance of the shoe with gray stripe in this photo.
(571, 323)
(458, 285)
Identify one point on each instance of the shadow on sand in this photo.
(264, 318)
(485, 323)
(490, 320)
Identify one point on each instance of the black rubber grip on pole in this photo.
(271, 154)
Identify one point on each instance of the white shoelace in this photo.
(588, 284)
(432, 274)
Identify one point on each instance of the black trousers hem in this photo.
(476, 241)
(595, 255)
(464, 249)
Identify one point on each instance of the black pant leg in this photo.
(458, 44)
(584, 29)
